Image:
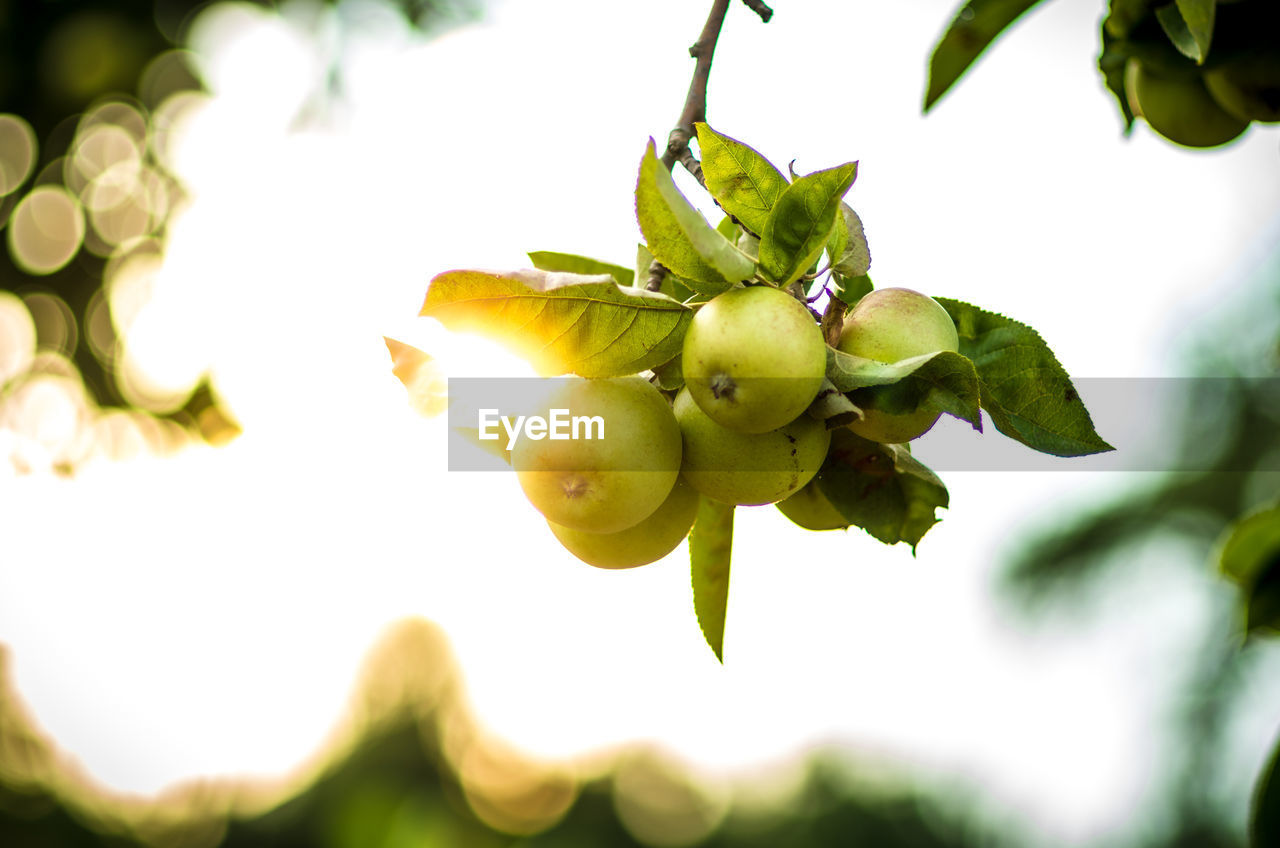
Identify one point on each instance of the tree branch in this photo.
(695, 102)
(695, 107)
(760, 9)
(657, 273)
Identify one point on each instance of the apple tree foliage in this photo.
(576, 315)
(1212, 66)
(1200, 72)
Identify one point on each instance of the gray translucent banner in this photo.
(1164, 424)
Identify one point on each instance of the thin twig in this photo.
(760, 9)
(657, 273)
(695, 102)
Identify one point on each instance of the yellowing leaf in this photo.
(561, 322)
(744, 183)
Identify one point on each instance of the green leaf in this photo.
(729, 229)
(670, 375)
(1189, 25)
(678, 235)
(847, 246)
(881, 488)
(1024, 389)
(801, 221)
(850, 289)
(1264, 815)
(943, 381)
(833, 407)
(974, 27)
(671, 284)
(710, 548)
(1262, 611)
(547, 260)
(1124, 15)
(1112, 62)
(744, 183)
(1249, 554)
(561, 322)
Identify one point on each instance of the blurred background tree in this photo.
(81, 86)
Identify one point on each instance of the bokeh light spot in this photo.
(99, 334)
(17, 152)
(17, 337)
(105, 166)
(56, 327)
(171, 124)
(166, 75)
(50, 416)
(46, 230)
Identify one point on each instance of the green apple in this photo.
(1180, 108)
(609, 477)
(754, 358)
(649, 541)
(735, 467)
(811, 509)
(1248, 86)
(890, 325)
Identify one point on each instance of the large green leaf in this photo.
(561, 322)
(744, 183)
(847, 246)
(975, 26)
(1189, 25)
(800, 223)
(549, 260)
(881, 488)
(944, 381)
(710, 549)
(1024, 389)
(1250, 555)
(680, 238)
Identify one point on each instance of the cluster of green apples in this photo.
(753, 361)
(1210, 104)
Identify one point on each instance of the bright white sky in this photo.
(209, 611)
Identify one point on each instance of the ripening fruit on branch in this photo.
(810, 509)
(603, 485)
(1180, 108)
(754, 358)
(890, 325)
(646, 542)
(1248, 86)
(734, 467)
